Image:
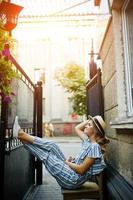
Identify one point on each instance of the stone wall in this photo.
(109, 80)
(120, 148)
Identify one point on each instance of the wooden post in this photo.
(35, 112)
(95, 104)
(39, 128)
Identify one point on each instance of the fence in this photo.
(95, 104)
(17, 166)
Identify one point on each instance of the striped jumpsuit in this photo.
(53, 159)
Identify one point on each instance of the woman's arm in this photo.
(83, 167)
(79, 129)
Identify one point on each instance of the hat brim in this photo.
(102, 132)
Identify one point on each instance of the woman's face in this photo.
(89, 129)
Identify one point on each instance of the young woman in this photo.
(70, 173)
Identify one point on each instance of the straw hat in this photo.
(99, 122)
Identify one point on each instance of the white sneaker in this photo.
(16, 127)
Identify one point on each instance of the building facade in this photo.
(117, 80)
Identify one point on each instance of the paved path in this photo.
(50, 190)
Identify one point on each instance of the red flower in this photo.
(7, 99)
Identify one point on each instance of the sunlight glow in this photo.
(52, 42)
(53, 32)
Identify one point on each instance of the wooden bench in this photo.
(89, 190)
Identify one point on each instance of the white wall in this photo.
(51, 46)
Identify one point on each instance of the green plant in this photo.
(7, 73)
(72, 79)
(6, 76)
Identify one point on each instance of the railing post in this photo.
(39, 127)
(3, 126)
(35, 111)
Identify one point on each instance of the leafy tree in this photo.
(72, 79)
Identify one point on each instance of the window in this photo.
(128, 47)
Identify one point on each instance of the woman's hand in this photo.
(70, 158)
(83, 167)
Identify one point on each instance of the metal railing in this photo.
(27, 104)
(26, 86)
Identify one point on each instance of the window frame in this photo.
(127, 61)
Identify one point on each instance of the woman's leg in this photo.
(43, 144)
(37, 152)
(54, 165)
(52, 157)
(24, 137)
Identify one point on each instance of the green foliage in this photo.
(72, 79)
(7, 73)
(4, 37)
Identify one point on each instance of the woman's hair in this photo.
(102, 140)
